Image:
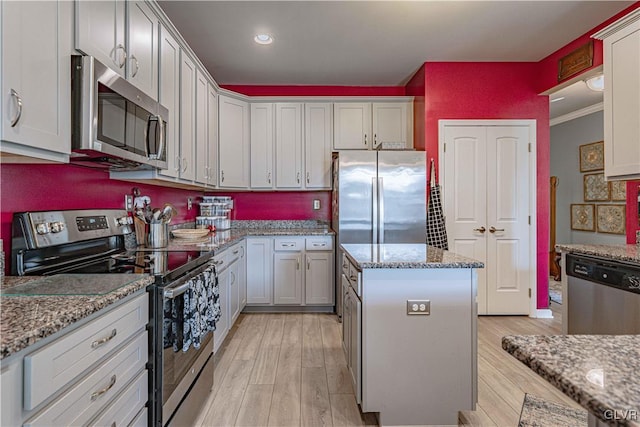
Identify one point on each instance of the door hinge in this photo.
(444, 147)
(529, 292)
(529, 219)
(529, 147)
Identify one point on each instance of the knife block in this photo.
(140, 228)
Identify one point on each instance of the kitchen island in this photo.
(413, 331)
(600, 372)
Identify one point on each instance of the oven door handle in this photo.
(181, 285)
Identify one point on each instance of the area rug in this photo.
(555, 291)
(537, 412)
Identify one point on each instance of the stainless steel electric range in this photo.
(95, 242)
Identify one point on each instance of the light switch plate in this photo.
(189, 203)
(316, 204)
(128, 202)
(418, 306)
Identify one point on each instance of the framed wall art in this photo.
(592, 157)
(611, 219)
(595, 188)
(582, 217)
(618, 191)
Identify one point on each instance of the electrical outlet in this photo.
(419, 306)
(189, 203)
(128, 202)
(316, 204)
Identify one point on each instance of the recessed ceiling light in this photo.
(596, 83)
(557, 99)
(263, 39)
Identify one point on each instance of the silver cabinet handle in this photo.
(133, 58)
(321, 245)
(101, 341)
(16, 119)
(233, 278)
(186, 164)
(480, 230)
(269, 177)
(308, 263)
(236, 251)
(492, 229)
(206, 172)
(308, 178)
(298, 263)
(298, 177)
(115, 52)
(97, 394)
(365, 139)
(375, 139)
(219, 262)
(222, 176)
(177, 163)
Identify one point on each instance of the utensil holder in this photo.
(140, 228)
(158, 235)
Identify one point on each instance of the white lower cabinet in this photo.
(231, 267)
(222, 326)
(290, 270)
(93, 374)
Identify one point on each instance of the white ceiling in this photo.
(373, 43)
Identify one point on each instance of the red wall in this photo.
(292, 205)
(462, 90)
(633, 216)
(256, 90)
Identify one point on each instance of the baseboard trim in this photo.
(543, 313)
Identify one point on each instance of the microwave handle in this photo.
(160, 123)
(162, 130)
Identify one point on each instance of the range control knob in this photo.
(124, 220)
(43, 228)
(634, 281)
(57, 226)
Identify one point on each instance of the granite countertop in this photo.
(25, 320)
(600, 372)
(405, 255)
(629, 253)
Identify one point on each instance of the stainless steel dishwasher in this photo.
(603, 296)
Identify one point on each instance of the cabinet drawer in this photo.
(84, 400)
(126, 407)
(52, 367)
(288, 243)
(320, 243)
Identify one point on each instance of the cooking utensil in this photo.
(155, 216)
(167, 213)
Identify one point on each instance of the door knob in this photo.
(480, 230)
(493, 229)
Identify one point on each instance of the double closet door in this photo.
(487, 203)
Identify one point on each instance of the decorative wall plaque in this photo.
(578, 60)
(596, 189)
(619, 191)
(592, 157)
(611, 219)
(582, 217)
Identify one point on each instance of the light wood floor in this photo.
(289, 370)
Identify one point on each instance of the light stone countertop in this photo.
(600, 372)
(25, 320)
(628, 253)
(405, 255)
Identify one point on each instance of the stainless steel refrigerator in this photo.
(378, 197)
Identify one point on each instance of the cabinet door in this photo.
(222, 327)
(212, 135)
(622, 103)
(234, 292)
(187, 116)
(259, 276)
(202, 140)
(234, 143)
(390, 124)
(100, 32)
(289, 145)
(317, 145)
(287, 278)
(355, 352)
(319, 278)
(36, 43)
(352, 126)
(346, 318)
(262, 145)
(169, 96)
(142, 46)
(242, 275)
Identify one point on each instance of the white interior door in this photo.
(486, 196)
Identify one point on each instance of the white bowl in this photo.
(190, 233)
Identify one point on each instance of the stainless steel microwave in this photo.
(114, 124)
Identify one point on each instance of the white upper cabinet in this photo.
(202, 138)
(289, 145)
(233, 154)
(352, 125)
(123, 36)
(187, 117)
(317, 145)
(100, 32)
(170, 98)
(622, 97)
(262, 145)
(212, 135)
(365, 126)
(142, 48)
(36, 46)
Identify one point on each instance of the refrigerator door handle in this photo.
(374, 210)
(380, 210)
